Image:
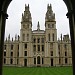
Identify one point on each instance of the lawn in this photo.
(37, 71)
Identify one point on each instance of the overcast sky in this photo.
(38, 10)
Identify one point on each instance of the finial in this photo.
(61, 37)
(48, 4)
(12, 38)
(38, 26)
(38, 22)
(28, 5)
(25, 5)
(18, 37)
(9, 37)
(50, 7)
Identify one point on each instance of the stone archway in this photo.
(3, 16)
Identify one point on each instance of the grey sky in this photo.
(38, 10)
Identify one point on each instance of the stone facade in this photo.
(38, 47)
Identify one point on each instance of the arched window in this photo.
(38, 60)
(23, 37)
(11, 47)
(53, 36)
(38, 40)
(27, 37)
(49, 37)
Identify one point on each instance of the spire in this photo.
(18, 37)
(38, 26)
(50, 7)
(12, 38)
(28, 5)
(9, 37)
(47, 6)
(15, 37)
(61, 37)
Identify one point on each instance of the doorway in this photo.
(51, 61)
(25, 62)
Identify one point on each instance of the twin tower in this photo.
(38, 47)
(26, 17)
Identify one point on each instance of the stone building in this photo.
(38, 47)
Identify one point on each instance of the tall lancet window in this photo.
(53, 36)
(49, 37)
(23, 37)
(27, 37)
(38, 40)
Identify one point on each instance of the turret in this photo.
(50, 24)
(38, 26)
(15, 37)
(26, 22)
(18, 37)
(50, 16)
(12, 38)
(9, 37)
(61, 37)
(27, 15)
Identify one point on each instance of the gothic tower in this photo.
(50, 36)
(25, 37)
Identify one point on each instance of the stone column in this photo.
(3, 16)
(71, 17)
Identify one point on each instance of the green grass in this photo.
(37, 71)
